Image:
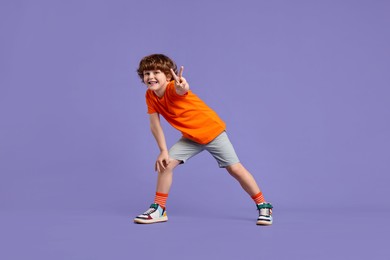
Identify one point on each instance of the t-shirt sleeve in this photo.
(149, 104)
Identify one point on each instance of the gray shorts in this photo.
(220, 148)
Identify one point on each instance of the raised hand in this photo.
(181, 83)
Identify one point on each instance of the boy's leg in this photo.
(249, 184)
(223, 151)
(244, 177)
(164, 182)
(156, 212)
(179, 153)
(164, 179)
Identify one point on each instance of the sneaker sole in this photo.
(150, 221)
(264, 223)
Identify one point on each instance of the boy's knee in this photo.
(235, 169)
(171, 165)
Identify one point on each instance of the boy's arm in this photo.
(158, 133)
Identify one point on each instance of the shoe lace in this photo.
(149, 211)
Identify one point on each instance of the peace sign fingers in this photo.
(178, 79)
(181, 72)
(181, 84)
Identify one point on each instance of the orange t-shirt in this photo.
(187, 113)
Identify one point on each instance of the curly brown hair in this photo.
(157, 62)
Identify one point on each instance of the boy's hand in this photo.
(162, 161)
(181, 84)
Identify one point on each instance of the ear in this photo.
(169, 77)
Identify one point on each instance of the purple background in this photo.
(302, 85)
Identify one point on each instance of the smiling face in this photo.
(156, 81)
(156, 62)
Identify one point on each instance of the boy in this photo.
(169, 95)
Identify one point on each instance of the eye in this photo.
(157, 72)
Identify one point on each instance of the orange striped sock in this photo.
(161, 199)
(258, 198)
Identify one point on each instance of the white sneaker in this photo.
(154, 214)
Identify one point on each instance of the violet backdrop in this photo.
(302, 85)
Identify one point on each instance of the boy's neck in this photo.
(160, 92)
